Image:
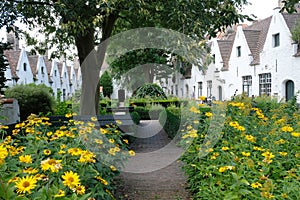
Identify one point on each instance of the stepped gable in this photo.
(12, 57)
(256, 35)
(33, 60)
(225, 47)
(291, 20)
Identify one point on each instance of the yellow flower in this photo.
(268, 155)
(283, 153)
(103, 131)
(71, 179)
(75, 151)
(256, 185)
(119, 122)
(225, 148)
(94, 119)
(103, 181)
(250, 138)
(113, 168)
(112, 151)
(208, 114)
(267, 195)
(295, 134)
(3, 127)
(287, 129)
(258, 148)
(222, 169)
(131, 153)
(98, 141)
(246, 154)
(47, 152)
(202, 98)
(51, 164)
(26, 184)
(30, 171)
(86, 157)
(79, 189)
(68, 115)
(25, 159)
(3, 152)
(126, 141)
(111, 141)
(60, 193)
(194, 110)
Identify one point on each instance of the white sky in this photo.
(261, 8)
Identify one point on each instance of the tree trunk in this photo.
(91, 62)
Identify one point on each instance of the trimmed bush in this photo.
(135, 117)
(32, 98)
(142, 112)
(171, 120)
(150, 90)
(165, 103)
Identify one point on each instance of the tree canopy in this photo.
(86, 23)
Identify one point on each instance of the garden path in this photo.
(155, 172)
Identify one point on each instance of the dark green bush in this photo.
(32, 98)
(135, 117)
(150, 90)
(143, 112)
(165, 103)
(171, 120)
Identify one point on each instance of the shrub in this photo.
(150, 91)
(171, 120)
(107, 84)
(135, 117)
(142, 112)
(32, 99)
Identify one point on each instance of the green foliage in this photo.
(163, 102)
(171, 120)
(32, 98)
(63, 107)
(143, 112)
(135, 117)
(107, 84)
(150, 91)
(254, 156)
(296, 33)
(3, 65)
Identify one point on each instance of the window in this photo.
(238, 51)
(172, 89)
(42, 69)
(55, 73)
(24, 67)
(209, 87)
(276, 40)
(214, 58)
(176, 90)
(265, 84)
(65, 74)
(200, 87)
(247, 85)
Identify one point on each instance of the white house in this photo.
(65, 81)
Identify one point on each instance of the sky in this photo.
(261, 8)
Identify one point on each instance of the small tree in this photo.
(3, 66)
(107, 84)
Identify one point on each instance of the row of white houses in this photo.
(255, 60)
(25, 69)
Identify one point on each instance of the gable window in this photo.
(276, 40)
(238, 51)
(209, 88)
(65, 74)
(214, 58)
(265, 84)
(176, 90)
(42, 69)
(55, 73)
(200, 87)
(247, 85)
(24, 67)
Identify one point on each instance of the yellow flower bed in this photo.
(77, 161)
(256, 155)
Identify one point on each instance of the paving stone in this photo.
(165, 183)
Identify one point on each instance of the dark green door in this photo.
(289, 90)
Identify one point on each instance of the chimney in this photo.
(13, 40)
